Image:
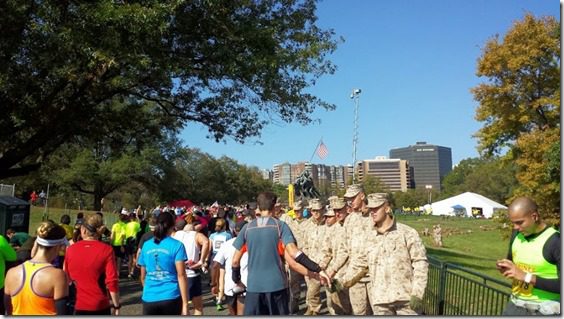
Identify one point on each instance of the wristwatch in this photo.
(528, 277)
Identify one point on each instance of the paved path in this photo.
(130, 291)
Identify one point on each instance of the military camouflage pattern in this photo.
(313, 233)
(314, 239)
(333, 236)
(397, 264)
(353, 244)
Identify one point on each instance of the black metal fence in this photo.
(455, 291)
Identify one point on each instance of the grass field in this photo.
(464, 242)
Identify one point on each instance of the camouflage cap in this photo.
(376, 200)
(315, 204)
(353, 190)
(330, 212)
(338, 203)
(332, 198)
(298, 205)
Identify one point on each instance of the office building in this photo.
(428, 163)
(392, 173)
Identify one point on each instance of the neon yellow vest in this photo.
(527, 255)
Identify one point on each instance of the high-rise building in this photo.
(429, 164)
(393, 173)
(282, 174)
(322, 175)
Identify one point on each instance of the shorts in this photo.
(232, 300)
(267, 303)
(130, 246)
(117, 252)
(194, 287)
(165, 307)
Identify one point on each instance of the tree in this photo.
(491, 177)
(520, 105)
(230, 65)
(372, 184)
(412, 198)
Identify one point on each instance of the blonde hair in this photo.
(94, 224)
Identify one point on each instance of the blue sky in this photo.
(415, 61)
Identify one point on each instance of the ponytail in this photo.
(165, 222)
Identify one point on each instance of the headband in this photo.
(90, 228)
(52, 242)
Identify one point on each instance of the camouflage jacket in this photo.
(333, 236)
(314, 238)
(353, 244)
(297, 226)
(396, 262)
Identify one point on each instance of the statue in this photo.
(304, 187)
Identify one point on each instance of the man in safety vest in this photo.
(533, 262)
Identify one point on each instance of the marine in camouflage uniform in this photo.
(396, 261)
(295, 278)
(351, 246)
(338, 303)
(314, 238)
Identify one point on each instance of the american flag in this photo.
(322, 150)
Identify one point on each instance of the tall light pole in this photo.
(355, 95)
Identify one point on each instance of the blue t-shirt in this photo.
(217, 240)
(265, 267)
(161, 282)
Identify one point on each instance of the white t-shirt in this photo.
(188, 239)
(224, 257)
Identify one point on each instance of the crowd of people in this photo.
(257, 258)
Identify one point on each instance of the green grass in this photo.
(464, 242)
(55, 214)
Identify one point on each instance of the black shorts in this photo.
(172, 307)
(117, 252)
(231, 301)
(267, 303)
(131, 246)
(194, 287)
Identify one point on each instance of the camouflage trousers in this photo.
(360, 299)
(313, 296)
(399, 308)
(338, 303)
(296, 280)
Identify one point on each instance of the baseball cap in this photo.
(337, 203)
(315, 204)
(124, 211)
(298, 205)
(252, 205)
(376, 200)
(353, 190)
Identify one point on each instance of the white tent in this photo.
(465, 203)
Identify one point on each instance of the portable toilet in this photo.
(15, 214)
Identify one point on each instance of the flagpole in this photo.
(315, 149)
